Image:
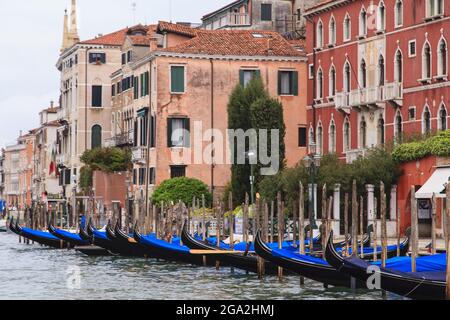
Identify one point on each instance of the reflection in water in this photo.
(33, 272)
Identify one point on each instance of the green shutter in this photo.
(177, 79)
(241, 77)
(169, 133)
(146, 77)
(279, 82)
(258, 73)
(295, 83)
(142, 85)
(187, 133)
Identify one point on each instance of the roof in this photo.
(320, 4)
(206, 16)
(117, 38)
(237, 43)
(51, 110)
(177, 28)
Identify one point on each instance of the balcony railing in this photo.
(353, 155)
(238, 19)
(369, 96)
(121, 140)
(62, 159)
(139, 154)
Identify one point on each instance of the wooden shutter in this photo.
(96, 96)
(295, 83)
(187, 133)
(153, 132)
(169, 133)
(258, 73)
(177, 79)
(279, 82)
(96, 137)
(241, 77)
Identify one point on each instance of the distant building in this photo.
(46, 176)
(2, 175)
(282, 16)
(188, 82)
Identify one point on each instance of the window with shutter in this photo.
(177, 171)
(152, 176)
(153, 132)
(288, 83)
(96, 137)
(246, 75)
(178, 132)
(177, 79)
(266, 12)
(97, 96)
(302, 137)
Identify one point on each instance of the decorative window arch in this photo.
(319, 138)
(442, 118)
(319, 41)
(426, 120)
(319, 93)
(347, 27)
(398, 13)
(332, 81)
(363, 133)
(442, 55)
(96, 136)
(363, 22)
(426, 61)
(381, 16)
(311, 138)
(363, 74)
(381, 70)
(347, 76)
(332, 31)
(347, 134)
(398, 66)
(332, 137)
(381, 131)
(398, 131)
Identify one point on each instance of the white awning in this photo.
(435, 185)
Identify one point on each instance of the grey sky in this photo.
(31, 35)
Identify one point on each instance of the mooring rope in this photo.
(416, 287)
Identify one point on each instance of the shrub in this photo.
(181, 189)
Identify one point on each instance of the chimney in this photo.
(52, 103)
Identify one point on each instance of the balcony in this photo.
(121, 140)
(139, 155)
(353, 155)
(370, 96)
(62, 159)
(238, 19)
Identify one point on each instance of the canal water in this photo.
(32, 272)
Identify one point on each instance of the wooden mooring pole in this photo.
(354, 220)
(280, 231)
(301, 225)
(414, 230)
(375, 230)
(347, 244)
(447, 239)
(383, 225)
(433, 224)
(361, 225)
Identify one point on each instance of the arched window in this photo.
(96, 137)
(398, 13)
(332, 138)
(398, 66)
(320, 84)
(381, 16)
(426, 121)
(346, 134)
(347, 27)
(442, 58)
(381, 70)
(381, 131)
(332, 31)
(320, 34)
(347, 77)
(426, 61)
(363, 74)
(311, 138)
(363, 133)
(442, 118)
(363, 22)
(319, 139)
(398, 126)
(332, 82)
(440, 7)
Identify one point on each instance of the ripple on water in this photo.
(33, 272)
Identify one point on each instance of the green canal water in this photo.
(32, 272)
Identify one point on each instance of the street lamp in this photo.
(312, 163)
(250, 156)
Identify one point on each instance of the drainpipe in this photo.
(85, 98)
(313, 104)
(212, 126)
(149, 125)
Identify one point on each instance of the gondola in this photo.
(174, 251)
(413, 285)
(307, 266)
(239, 260)
(71, 238)
(100, 239)
(12, 227)
(41, 237)
(126, 245)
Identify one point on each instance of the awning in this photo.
(435, 185)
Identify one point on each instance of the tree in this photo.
(181, 189)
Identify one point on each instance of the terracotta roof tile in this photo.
(238, 43)
(177, 28)
(118, 37)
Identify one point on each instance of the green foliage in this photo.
(267, 113)
(102, 159)
(436, 145)
(184, 189)
(107, 159)
(252, 107)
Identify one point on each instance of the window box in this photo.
(381, 31)
(442, 77)
(424, 80)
